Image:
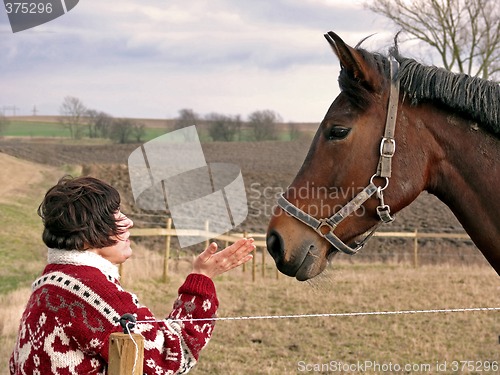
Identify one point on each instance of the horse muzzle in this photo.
(303, 251)
(301, 256)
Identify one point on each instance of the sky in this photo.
(151, 58)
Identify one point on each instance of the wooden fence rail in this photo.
(168, 232)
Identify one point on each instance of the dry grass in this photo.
(279, 346)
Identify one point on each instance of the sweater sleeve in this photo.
(173, 345)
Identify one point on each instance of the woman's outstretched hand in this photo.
(212, 263)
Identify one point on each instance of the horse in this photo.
(446, 127)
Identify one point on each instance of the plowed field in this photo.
(267, 168)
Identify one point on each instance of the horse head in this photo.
(344, 189)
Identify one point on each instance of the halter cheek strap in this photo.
(388, 144)
(326, 226)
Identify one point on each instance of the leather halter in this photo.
(326, 226)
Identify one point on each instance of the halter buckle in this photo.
(387, 147)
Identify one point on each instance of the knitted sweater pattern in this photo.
(77, 303)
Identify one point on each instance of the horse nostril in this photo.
(275, 245)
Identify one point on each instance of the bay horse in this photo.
(446, 127)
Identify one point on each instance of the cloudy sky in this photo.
(151, 58)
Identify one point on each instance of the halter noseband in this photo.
(326, 226)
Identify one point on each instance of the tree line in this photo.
(260, 125)
(84, 122)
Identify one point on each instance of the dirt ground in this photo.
(267, 168)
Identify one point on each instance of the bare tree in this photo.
(466, 33)
(138, 131)
(263, 124)
(98, 123)
(223, 127)
(187, 117)
(121, 130)
(73, 116)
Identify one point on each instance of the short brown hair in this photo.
(79, 213)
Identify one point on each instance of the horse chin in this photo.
(314, 263)
(310, 267)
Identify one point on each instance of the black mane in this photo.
(472, 97)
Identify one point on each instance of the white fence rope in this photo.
(329, 315)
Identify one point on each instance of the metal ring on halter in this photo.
(386, 181)
(324, 224)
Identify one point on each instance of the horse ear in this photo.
(352, 61)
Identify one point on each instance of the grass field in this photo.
(21, 191)
(35, 129)
(56, 130)
(51, 128)
(42, 129)
(425, 342)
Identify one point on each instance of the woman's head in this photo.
(81, 213)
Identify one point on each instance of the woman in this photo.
(78, 301)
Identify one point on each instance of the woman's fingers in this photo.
(238, 253)
(208, 252)
(212, 263)
(239, 248)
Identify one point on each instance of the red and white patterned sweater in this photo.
(77, 303)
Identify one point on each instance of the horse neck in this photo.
(464, 174)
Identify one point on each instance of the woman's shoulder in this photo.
(87, 274)
(87, 286)
(76, 279)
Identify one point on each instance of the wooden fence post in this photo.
(263, 262)
(124, 357)
(415, 249)
(254, 263)
(166, 256)
(207, 228)
(244, 266)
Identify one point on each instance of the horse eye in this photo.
(338, 132)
